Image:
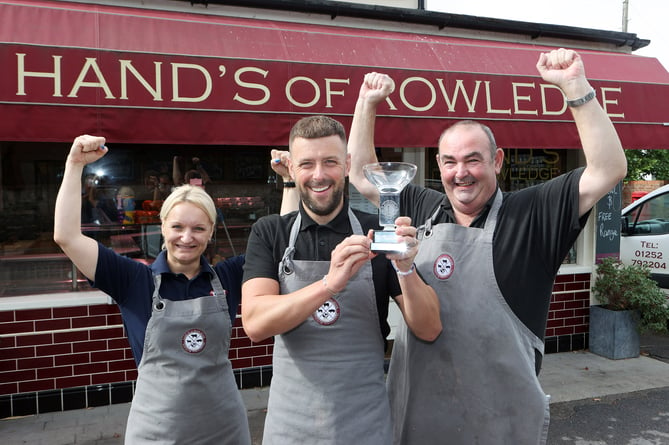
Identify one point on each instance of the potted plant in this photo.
(630, 302)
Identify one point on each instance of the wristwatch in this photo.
(582, 100)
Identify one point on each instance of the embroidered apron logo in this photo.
(444, 266)
(328, 313)
(193, 341)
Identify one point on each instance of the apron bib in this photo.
(328, 380)
(476, 384)
(186, 391)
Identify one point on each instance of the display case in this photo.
(236, 215)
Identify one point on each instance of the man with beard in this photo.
(311, 280)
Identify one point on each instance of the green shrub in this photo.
(623, 287)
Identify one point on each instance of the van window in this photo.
(650, 218)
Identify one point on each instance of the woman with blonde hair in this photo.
(178, 313)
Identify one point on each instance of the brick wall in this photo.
(56, 359)
(639, 186)
(568, 314)
(53, 359)
(63, 347)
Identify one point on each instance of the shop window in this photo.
(121, 197)
(525, 168)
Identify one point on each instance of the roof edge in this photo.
(440, 19)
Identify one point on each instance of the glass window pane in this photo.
(121, 198)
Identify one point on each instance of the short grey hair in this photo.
(470, 123)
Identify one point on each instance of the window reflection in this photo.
(121, 199)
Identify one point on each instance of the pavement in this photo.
(594, 401)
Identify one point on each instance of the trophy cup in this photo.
(389, 178)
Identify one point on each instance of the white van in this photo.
(644, 234)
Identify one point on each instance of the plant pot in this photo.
(614, 334)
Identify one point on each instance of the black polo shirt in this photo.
(270, 235)
(535, 229)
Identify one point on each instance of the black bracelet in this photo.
(289, 183)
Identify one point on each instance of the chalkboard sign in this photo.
(607, 213)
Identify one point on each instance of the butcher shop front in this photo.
(213, 90)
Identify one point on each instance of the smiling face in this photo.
(468, 169)
(187, 230)
(319, 167)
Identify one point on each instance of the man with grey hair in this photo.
(492, 259)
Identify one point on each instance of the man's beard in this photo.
(319, 208)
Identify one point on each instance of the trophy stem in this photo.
(389, 178)
(389, 209)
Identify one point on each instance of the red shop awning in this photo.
(161, 77)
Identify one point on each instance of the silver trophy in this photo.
(389, 178)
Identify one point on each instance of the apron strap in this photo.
(489, 225)
(286, 264)
(216, 284)
(491, 220)
(156, 299)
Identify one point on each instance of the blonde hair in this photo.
(192, 194)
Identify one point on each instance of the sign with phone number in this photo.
(649, 255)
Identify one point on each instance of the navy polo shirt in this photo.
(130, 284)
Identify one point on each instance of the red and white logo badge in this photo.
(444, 266)
(193, 341)
(328, 313)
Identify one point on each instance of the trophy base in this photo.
(388, 247)
(386, 242)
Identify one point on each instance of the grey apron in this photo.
(186, 391)
(328, 379)
(476, 384)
